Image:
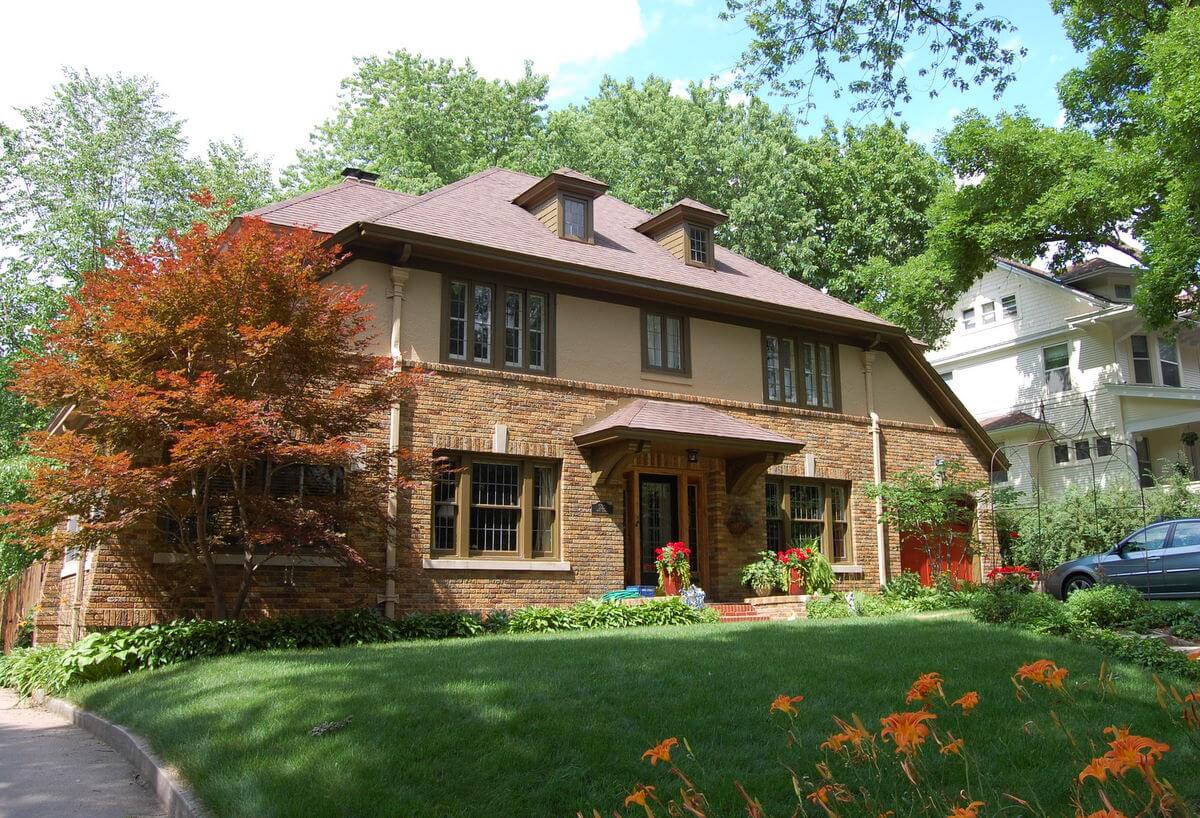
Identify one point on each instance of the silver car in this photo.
(1161, 560)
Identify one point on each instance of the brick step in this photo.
(732, 607)
(745, 618)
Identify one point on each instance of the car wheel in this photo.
(1076, 582)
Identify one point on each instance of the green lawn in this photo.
(548, 725)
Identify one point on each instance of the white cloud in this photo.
(269, 72)
(1061, 119)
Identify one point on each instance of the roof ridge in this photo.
(433, 194)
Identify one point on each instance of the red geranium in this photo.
(673, 560)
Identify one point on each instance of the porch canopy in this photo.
(611, 443)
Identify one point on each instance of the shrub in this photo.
(906, 586)
(1152, 654)
(996, 606)
(30, 669)
(1041, 613)
(1088, 522)
(1106, 605)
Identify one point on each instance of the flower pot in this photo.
(763, 591)
(670, 585)
(795, 582)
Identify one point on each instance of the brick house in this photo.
(607, 380)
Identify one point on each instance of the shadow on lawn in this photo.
(548, 725)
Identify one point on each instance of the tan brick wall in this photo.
(459, 408)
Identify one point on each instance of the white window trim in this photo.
(478, 564)
(1155, 359)
(71, 567)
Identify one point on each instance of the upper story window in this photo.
(665, 343)
(799, 372)
(1104, 446)
(1009, 304)
(1168, 361)
(497, 326)
(1123, 292)
(1083, 449)
(989, 312)
(1062, 453)
(576, 218)
(1056, 361)
(699, 245)
(968, 318)
(1143, 364)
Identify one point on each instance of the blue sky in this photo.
(689, 41)
(269, 71)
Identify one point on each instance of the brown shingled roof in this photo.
(479, 210)
(658, 417)
(1007, 420)
(330, 209)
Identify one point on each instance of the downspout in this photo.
(877, 464)
(399, 279)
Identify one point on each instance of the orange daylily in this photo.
(907, 730)
(953, 747)
(1042, 672)
(1126, 752)
(640, 796)
(827, 794)
(661, 751)
(924, 685)
(967, 701)
(854, 734)
(1107, 813)
(786, 704)
(971, 810)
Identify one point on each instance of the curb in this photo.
(173, 793)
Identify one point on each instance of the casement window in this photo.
(1062, 453)
(800, 511)
(496, 326)
(495, 507)
(968, 318)
(1104, 446)
(576, 217)
(1083, 449)
(988, 312)
(1057, 363)
(665, 343)
(999, 476)
(1168, 362)
(1139, 345)
(799, 372)
(1123, 292)
(1009, 305)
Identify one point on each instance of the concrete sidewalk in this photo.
(52, 769)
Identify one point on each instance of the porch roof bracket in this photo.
(741, 472)
(610, 461)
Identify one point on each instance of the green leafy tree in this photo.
(1121, 173)
(798, 43)
(423, 123)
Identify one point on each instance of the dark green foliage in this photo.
(1041, 613)
(1091, 522)
(1152, 654)
(110, 653)
(904, 594)
(1105, 606)
(30, 669)
(996, 607)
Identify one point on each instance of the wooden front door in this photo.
(664, 507)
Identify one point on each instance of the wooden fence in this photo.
(24, 593)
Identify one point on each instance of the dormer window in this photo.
(699, 245)
(575, 217)
(685, 230)
(564, 201)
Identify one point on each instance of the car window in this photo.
(1187, 535)
(1148, 539)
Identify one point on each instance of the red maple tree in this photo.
(227, 403)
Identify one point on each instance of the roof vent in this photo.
(360, 175)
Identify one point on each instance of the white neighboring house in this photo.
(1025, 339)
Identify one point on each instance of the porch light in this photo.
(693, 455)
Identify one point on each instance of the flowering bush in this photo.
(922, 760)
(672, 560)
(816, 574)
(1018, 578)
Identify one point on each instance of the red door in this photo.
(914, 556)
